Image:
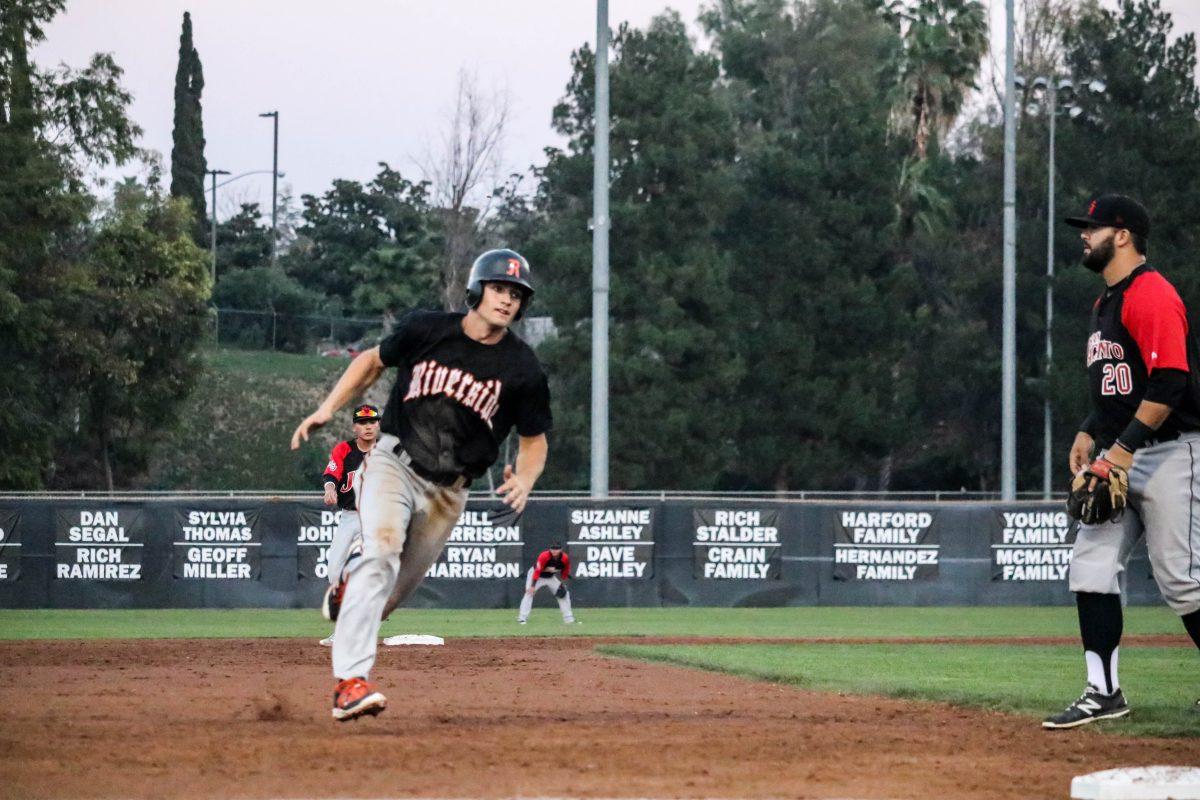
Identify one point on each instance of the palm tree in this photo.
(944, 42)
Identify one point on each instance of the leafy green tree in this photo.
(188, 165)
(281, 304)
(674, 369)
(141, 294)
(242, 241)
(368, 248)
(822, 308)
(52, 125)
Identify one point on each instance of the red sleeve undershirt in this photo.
(566, 573)
(1155, 318)
(336, 468)
(541, 563)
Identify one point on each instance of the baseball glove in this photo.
(1099, 493)
(561, 591)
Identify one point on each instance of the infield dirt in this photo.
(497, 718)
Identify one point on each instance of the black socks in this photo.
(1192, 623)
(1100, 624)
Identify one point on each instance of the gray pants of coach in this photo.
(1164, 505)
(406, 521)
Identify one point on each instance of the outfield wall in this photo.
(263, 552)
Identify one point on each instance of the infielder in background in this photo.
(463, 381)
(551, 570)
(340, 488)
(1143, 377)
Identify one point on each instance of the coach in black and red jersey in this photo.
(339, 482)
(1144, 381)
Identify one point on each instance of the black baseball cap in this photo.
(366, 413)
(1114, 211)
(556, 545)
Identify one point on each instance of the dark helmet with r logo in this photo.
(502, 266)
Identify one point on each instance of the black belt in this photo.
(450, 480)
(1161, 438)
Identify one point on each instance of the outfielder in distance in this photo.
(551, 570)
(340, 489)
(463, 381)
(1144, 381)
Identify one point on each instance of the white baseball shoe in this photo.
(327, 641)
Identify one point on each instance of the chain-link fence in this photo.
(303, 333)
(293, 333)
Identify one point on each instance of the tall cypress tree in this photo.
(187, 153)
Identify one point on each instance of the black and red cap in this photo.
(366, 413)
(1114, 211)
(556, 545)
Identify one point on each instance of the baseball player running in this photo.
(551, 570)
(1144, 378)
(338, 479)
(463, 381)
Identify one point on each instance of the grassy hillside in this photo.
(236, 426)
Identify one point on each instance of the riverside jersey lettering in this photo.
(455, 400)
(1138, 326)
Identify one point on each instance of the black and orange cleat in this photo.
(354, 697)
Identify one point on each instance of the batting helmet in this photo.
(503, 266)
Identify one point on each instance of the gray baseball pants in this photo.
(346, 537)
(552, 583)
(1164, 505)
(406, 521)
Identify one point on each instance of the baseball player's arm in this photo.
(1150, 415)
(531, 460)
(363, 371)
(566, 570)
(540, 564)
(334, 472)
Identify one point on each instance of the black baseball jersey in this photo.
(455, 399)
(344, 461)
(1139, 326)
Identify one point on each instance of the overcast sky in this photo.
(355, 83)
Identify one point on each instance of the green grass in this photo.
(271, 364)
(235, 427)
(1161, 682)
(739, 622)
(1029, 680)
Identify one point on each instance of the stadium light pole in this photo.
(1047, 413)
(215, 186)
(214, 173)
(600, 224)
(274, 182)
(1051, 89)
(1008, 392)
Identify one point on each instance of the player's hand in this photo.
(330, 495)
(514, 490)
(1081, 452)
(314, 420)
(1119, 456)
